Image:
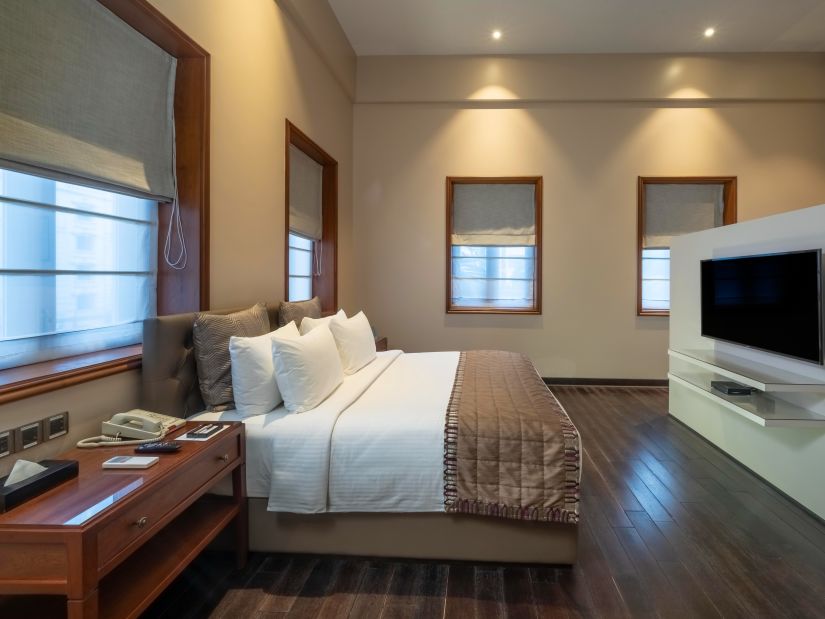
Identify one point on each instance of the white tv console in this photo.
(779, 431)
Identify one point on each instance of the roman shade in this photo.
(305, 190)
(78, 268)
(85, 98)
(672, 209)
(494, 214)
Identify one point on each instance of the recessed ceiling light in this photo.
(496, 34)
(709, 32)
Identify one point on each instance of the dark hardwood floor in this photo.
(670, 527)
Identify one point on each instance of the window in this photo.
(493, 276)
(311, 221)
(78, 268)
(70, 132)
(494, 245)
(668, 207)
(300, 268)
(656, 280)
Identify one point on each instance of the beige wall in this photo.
(264, 69)
(87, 403)
(591, 77)
(590, 154)
(268, 63)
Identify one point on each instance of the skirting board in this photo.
(415, 536)
(607, 382)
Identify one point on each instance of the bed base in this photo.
(412, 536)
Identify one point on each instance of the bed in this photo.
(376, 469)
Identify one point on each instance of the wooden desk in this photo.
(112, 540)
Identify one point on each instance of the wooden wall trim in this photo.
(607, 382)
(155, 26)
(728, 217)
(325, 288)
(493, 180)
(38, 378)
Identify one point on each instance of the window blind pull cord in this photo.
(317, 253)
(175, 223)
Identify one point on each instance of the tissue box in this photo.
(57, 471)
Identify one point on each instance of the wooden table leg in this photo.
(83, 609)
(242, 519)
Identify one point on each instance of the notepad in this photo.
(130, 462)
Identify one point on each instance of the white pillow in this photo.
(253, 375)
(355, 341)
(307, 368)
(308, 324)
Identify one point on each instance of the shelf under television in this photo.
(758, 407)
(757, 375)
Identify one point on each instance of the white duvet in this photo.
(375, 445)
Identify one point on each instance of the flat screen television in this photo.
(771, 302)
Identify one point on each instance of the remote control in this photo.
(159, 447)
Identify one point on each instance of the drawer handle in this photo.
(224, 458)
(142, 522)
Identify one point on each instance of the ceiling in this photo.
(389, 27)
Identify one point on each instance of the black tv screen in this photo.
(771, 302)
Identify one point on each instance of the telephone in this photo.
(137, 425)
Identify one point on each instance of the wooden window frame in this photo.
(178, 291)
(452, 181)
(728, 217)
(324, 287)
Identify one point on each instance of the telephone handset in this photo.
(133, 428)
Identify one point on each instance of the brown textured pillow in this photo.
(298, 311)
(211, 333)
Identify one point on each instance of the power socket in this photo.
(29, 435)
(6, 443)
(56, 425)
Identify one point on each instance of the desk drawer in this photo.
(142, 519)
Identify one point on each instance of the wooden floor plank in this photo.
(405, 588)
(281, 593)
(665, 604)
(550, 599)
(691, 592)
(340, 599)
(605, 596)
(671, 527)
(722, 581)
(461, 592)
(318, 585)
(372, 593)
(489, 593)
(430, 600)
(518, 593)
(245, 601)
(656, 543)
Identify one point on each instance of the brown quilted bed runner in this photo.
(510, 450)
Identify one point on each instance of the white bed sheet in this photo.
(262, 430)
(375, 445)
(388, 446)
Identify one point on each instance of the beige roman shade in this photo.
(305, 191)
(674, 209)
(494, 214)
(85, 98)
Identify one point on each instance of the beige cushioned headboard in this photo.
(169, 376)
